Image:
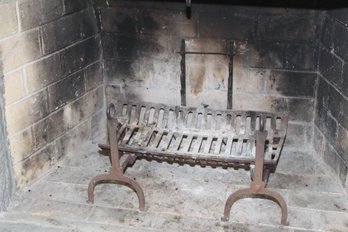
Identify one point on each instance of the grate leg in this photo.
(116, 172)
(258, 186)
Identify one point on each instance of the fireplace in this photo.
(62, 62)
(288, 57)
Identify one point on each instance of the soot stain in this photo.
(148, 24)
(293, 84)
(282, 84)
(125, 22)
(279, 105)
(136, 46)
(220, 74)
(263, 54)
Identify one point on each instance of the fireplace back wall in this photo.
(274, 67)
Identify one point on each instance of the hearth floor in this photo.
(178, 198)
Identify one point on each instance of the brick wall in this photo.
(274, 68)
(331, 118)
(50, 56)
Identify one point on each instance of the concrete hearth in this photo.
(178, 198)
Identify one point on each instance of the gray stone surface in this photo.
(14, 226)
(330, 66)
(333, 159)
(178, 198)
(6, 180)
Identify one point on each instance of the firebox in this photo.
(63, 62)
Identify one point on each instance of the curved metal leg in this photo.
(232, 199)
(91, 186)
(116, 172)
(248, 192)
(116, 178)
(259, 178)
(282, 204)
(138, 190)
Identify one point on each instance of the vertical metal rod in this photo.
(183, 73)
(259, 159)
(230, 77)
(114, 152)
(188, 9)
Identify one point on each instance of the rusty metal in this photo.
(116, 172)
(229, 138)
(188, 3)
(188, 8)
(191, 159)
(183, 73)
(258, 185)
(230, 77)
(204, 53)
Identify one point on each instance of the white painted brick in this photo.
(22, 114)
(20, 49)
(8, 19)
(13, 87)
(21, 146)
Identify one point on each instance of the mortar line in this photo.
(20, 32)
(30, 222)
(345, 162)
(326, 166)
(274, 95)
(19, 23)
(317, 210)
(331, 51)
(54, 112)
(75, 43)
(333, 86)
(51, 142)
(30, 94)
(345, 25)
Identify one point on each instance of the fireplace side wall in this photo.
(274, 68)
(50, 55)
(6, 173)
(331, 118)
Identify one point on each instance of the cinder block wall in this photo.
(331, 116)
(275, 67)
(50, 59)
